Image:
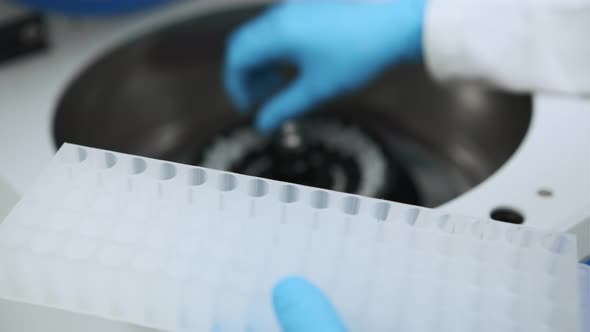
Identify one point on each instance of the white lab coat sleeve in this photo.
(519, 45)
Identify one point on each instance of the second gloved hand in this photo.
(337, 46)
(301, 307)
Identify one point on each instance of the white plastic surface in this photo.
(182, 248)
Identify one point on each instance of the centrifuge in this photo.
(150, 84)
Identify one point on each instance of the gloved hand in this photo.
(301, 307)
(338, 46)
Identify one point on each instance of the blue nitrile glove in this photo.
(301, 307)
(338, 46)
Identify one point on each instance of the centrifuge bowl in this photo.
(161, 95)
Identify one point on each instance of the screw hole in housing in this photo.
(507, 215)
(545, 193)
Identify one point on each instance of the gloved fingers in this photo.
(263, 83)
(301, 307)
(296, 99)
(250, 49)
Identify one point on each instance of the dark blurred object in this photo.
(319, 151)
(22, 34)
(93, 7)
